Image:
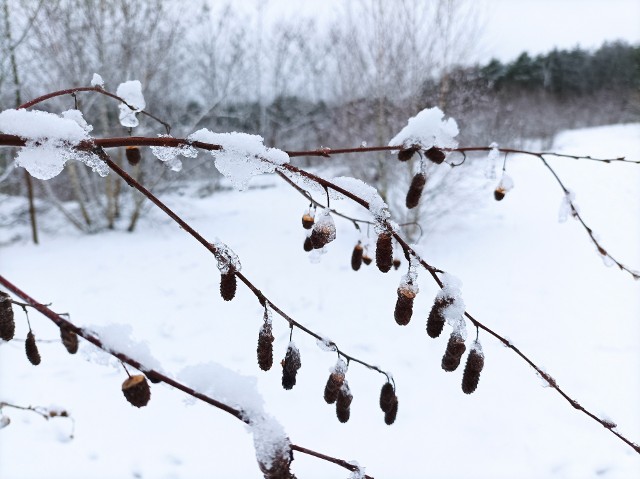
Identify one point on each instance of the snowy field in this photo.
(536, 281)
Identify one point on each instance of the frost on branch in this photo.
(169, 154)
(50, 141)
(242, 156)
(427, 129)
(130, 92)
(566, 207)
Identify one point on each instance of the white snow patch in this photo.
(131, 93)
(428, 128)
(96, 80)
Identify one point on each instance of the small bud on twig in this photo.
(435, 154)
(133, 155)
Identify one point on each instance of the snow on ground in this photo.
(535, 280)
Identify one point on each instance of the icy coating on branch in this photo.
(169, 154)
(131, 92)
(377, 207)
(242, 156)
(241, 393)
(428, 128)
(454, 312)
(50, 141)
(227, 259)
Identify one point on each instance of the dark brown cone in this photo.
(307, 221)
(334, 383)
(366, 260)
(7, 323)
(356, 257)
(280, 468)
(228, 285)
(70, 340)
(387, 394)
(343, 403)
(384, 252)
(265, 347)
(406, 155)
(453, 353)
(308, 245)
(435, 154)
(31, 348)
(320, 236)
(435, 323)
(499, 193)
(133, 155)
(396, 263)
(472, 370)
(415, 190)
(404, 307)
(390, 415)
(290, 366)
(136, 390)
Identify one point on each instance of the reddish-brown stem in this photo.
(156, 375)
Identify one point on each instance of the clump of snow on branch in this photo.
(240, 392)
(169, 154)
(492, 161)
(96, 80)
(242, 156)
(326, 344)
(50, 141)
(377, 207)
(131, 93)
(358, 473)
(454, 312)
(565, 206)
(226, 258)
(427, 129)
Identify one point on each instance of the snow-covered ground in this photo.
(536, 281)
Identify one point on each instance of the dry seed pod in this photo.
(290, 365)
(228, 285)
(499, 193)
(392, 412)
(69, 340)
(406, 155)
(415, 190)
(356, 257)
(436, 320)
(396, 263)
(404, 305)
(7, 323)
(384, 252)
(366, 259)
(453, 353)
(308, 245)
(133, 155)
(307, 221)
(387, 394)
(31, 348)
(435, 154)
(265, 347)
(473, 368)
(343, 403)
(136, 390)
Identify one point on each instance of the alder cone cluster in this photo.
(31, 348)
(472, 370)
(389, 403)
(7, 322)
(228, 285)
(290, 366)
(435, 322)
(136, 390)
(384, 252)
(453, 353)
(69, 340)
(415, 190)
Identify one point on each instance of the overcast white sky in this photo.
(512, 26)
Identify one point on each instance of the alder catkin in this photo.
(323, 231)
(69, 340)
(387, 393)
(228, 285)
(415, 190)
(307, 221)
(436, 319)
(384, 252)
(472, 370)
(136, 390)
(7, 322)
(343, 403)
(404, 305)
(265, 347)
(406, 155)
(453, 353)
(290, 365)
(356, 257)
(435, 154)
(133, 155)
(308, 245)
(31, 348)
(392, 412)
(331, 389)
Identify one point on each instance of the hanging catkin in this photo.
(473, 368)
(384, 252)
(7, 322)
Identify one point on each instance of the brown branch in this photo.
(156, 375)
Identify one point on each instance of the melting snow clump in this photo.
(227, 259)
(169, 154)
(130, 92)
(454, 312)
(242, 156)
(428, 128)
(50, 141)
(97, 80)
